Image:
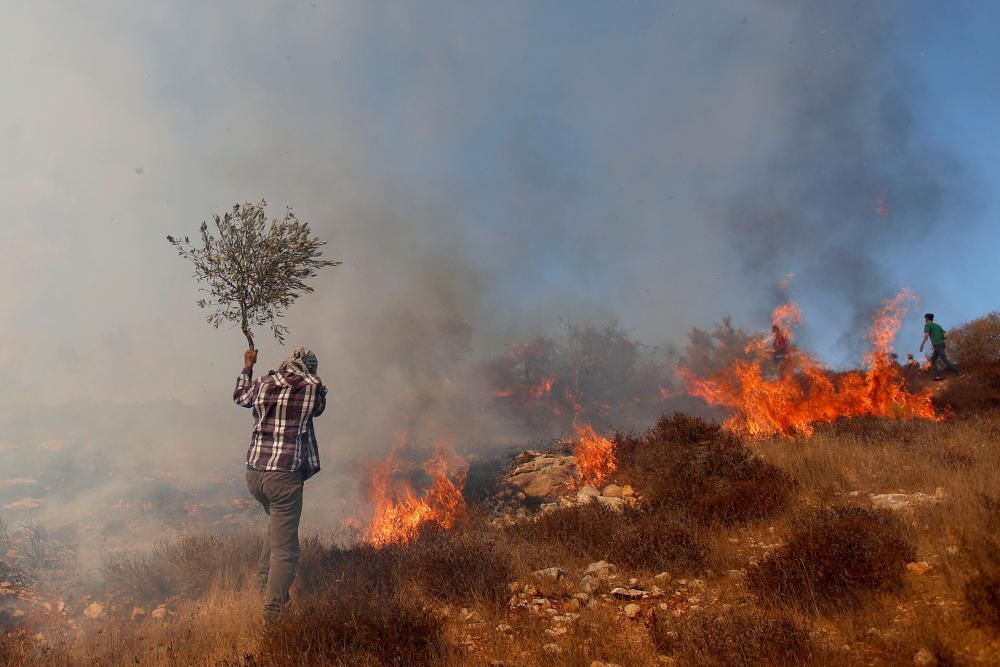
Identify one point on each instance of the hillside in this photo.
(870, 541)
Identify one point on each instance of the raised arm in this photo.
(246, 388)
(320, 400)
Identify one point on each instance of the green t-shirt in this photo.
(936, 332)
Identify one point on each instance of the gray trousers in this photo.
(280, 493)
(940, 356)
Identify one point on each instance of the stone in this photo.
(616, 504)
(138, 613)
(627, 593)
(898, 502)
(632, 610)
(549, 574)
(590, 584)
(526, 456)
(925, 658)
(552, 649)
(160, 612)
(627, 491)
(919, 568)
(573, 605)
(612, 491)
(662, 577)
(94, 610)
(530, 590)
(602, 569)
(736, 575)
(543, 476)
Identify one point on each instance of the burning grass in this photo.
(401, 511)
(835, 559)
(783, 397)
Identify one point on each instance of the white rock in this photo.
(602, 569)
(586, 494)
(905, 501)
(552, 649)
(627, 593)
(590, 584)
(613, 503)
(549, 574)
(612, 491)
(94, 610)
(632, 610)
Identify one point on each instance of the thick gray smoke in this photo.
(485, 171)
(851, 184)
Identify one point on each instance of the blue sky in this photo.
(955, 54)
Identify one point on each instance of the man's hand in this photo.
(249, 358)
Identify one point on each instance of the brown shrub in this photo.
(976, 343)
(634, 538)
(982, 590)
(464, 565)
(834, 558)
(187, 567)
(739, 637)
(688, 464)
(461, 565)
(974, 391)
(982, 595)
(355, 628)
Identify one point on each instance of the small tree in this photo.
(255, 268)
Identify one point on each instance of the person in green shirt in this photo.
(935, 333)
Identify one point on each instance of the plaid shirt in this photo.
(284, 404)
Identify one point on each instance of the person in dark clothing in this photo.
(936, 334)
(779, 342)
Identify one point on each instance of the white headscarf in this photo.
(301, 360)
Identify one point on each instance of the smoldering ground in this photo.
(486, 172)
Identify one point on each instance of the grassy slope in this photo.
(446, 600)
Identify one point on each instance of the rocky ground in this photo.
(872, 543)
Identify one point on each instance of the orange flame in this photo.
(595, 456)
(807, 393)
(400, 512)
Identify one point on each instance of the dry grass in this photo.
(188, 567)
(367, 606)
(740, 637)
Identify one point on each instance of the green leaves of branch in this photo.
(254, 269)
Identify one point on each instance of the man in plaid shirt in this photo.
(283, 454)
